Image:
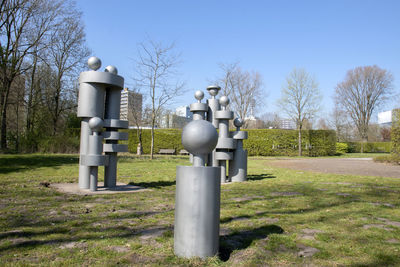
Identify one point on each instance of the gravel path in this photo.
(356, 166)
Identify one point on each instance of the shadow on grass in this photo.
(243, 239)
(156, 184)
(20, 163)
(263, 176)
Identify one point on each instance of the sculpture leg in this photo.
(238, 166)
(222, 164)
(84, 171)
(110, 171)
(93, 178)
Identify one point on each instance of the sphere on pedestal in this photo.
(111, 69)
(199, 95)
(96, 124)
(199, 137)
(238, 122)
(94, 63)
(213, 90)
(224, 101)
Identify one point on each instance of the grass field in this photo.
(279, 217)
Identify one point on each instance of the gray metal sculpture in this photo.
(197, 200)
(225, 143)
(99, 106)
(230, 144)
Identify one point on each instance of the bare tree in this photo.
(300, 99)
(135, 114)
(339, 121)
(362, 91)
(271, 120)
(244, 88)
(23, 24)
(156, 73)
(67, 53)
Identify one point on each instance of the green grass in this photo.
(351, 220)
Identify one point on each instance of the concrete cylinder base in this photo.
(197, 206)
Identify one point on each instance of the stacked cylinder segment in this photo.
(90, 104)
(213, 106)
(225, 143)
(238, 165)
(112, 123)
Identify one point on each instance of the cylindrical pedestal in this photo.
(197, 206)
(238, 166)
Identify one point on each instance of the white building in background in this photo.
(184, 111)
(131, 106)
(385, 118)
(287, 124)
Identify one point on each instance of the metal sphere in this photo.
(224, 101)
(111, 69)
(199, 137)
(94, 63)
(213, 90)
(96, 124)
(199, 95)
(238, 122)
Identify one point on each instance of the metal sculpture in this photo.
(197, 199)
(230, 144)
(99, 107)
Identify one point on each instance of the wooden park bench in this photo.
(164, 151)
(183, 152)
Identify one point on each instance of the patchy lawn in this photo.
(279, 217)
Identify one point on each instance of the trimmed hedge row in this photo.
(396, 131)
(264, 142)
(370, 147)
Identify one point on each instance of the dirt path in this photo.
(355, 166)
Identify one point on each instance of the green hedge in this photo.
(265, 142)
(370, 147)
(341, 148)
(163, 138)
(395, 134)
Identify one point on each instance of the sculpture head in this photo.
(96, 124)
(94, 63)
(199, 95)
(199, 137)
(224, 101)
(111, 69)
(238, 122)
(213, 90)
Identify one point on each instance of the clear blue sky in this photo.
(327, 38)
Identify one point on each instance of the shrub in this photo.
(392, 158)
(370, 147)
(395, 133)
(265, 142)
(341, 148)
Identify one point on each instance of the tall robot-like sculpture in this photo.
(197, 199)
(99, 106)
(230, 144)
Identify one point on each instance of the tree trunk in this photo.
(4, 128)
(152, 142)
(4, 102)
(299, 143)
